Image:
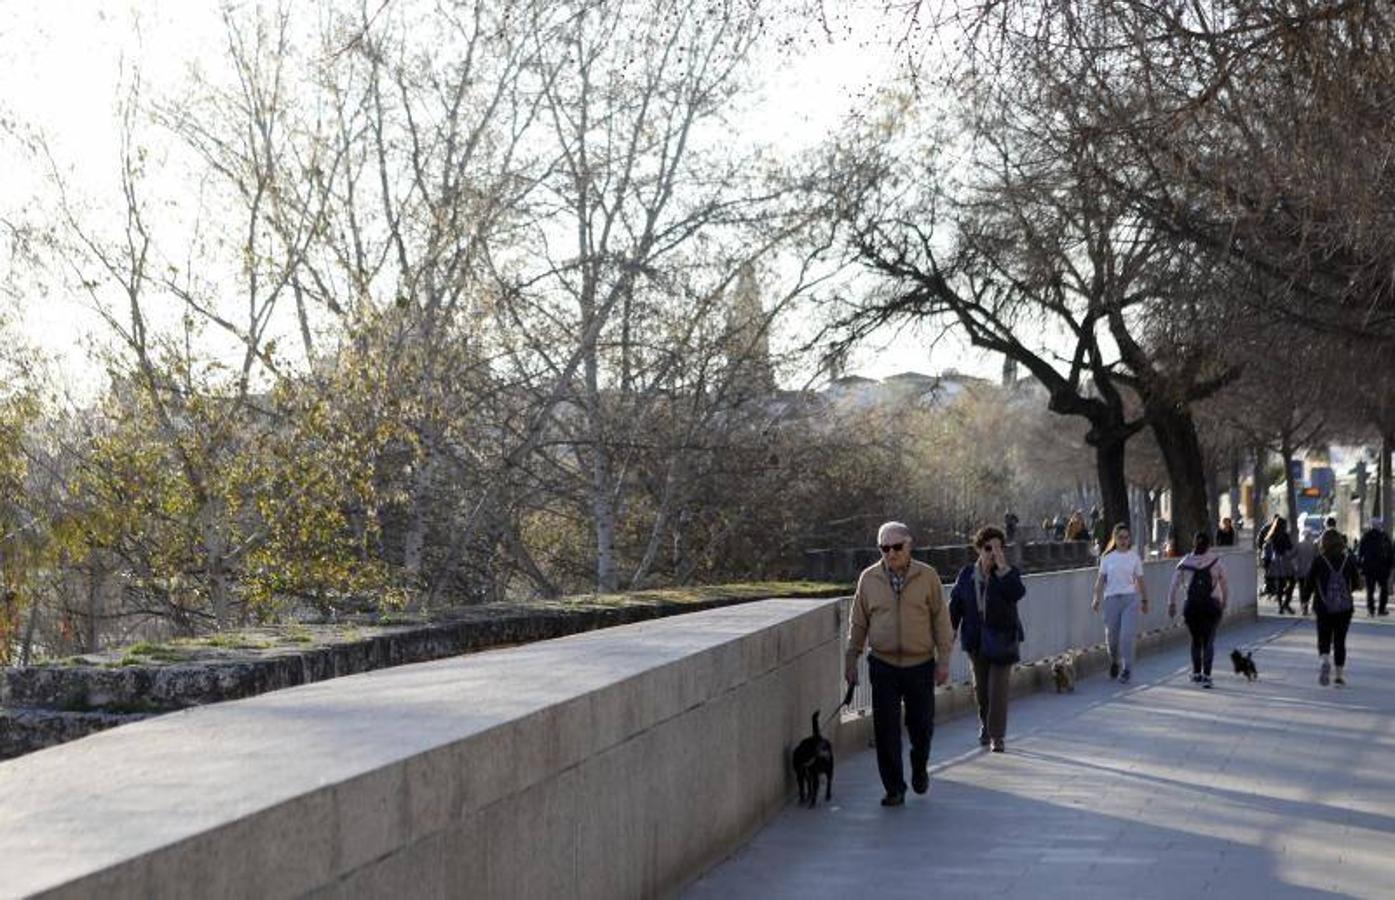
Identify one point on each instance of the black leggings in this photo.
(1203, 643)
(1332, 634)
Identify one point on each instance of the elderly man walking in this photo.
(900, 613)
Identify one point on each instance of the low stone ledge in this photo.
(26, 730)
(124, 687)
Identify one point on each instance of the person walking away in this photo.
(1376, 554)
(1225, 535)
(983, 610)
(1336, 578)
(1278, 555)
(1119, 587)
(1266, 555)
(1303, 556)
(899, 612)
(1200, 583)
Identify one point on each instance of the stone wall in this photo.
(613, 764)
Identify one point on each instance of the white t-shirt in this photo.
(1119, 569)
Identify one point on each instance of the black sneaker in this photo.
(1124, 676)
(920, 781)
(1206, 681)
(998, 745)
(894, 800)
(1113, 670)
(1196, 678)
(983, 736)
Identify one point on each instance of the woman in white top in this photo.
(1120, 588)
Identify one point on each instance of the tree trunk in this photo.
(414, 542)
(1258, 513)
(1385, 448)
(1290, 485)
(1234, 486)
(94, 608)
(1114, 488)
(1213, 498)
(1175, 431)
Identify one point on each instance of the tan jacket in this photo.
(905, 631)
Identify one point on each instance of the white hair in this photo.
(892, 529)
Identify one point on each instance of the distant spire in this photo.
(748, 335)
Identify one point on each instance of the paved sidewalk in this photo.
(1276, 789)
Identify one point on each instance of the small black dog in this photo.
(813, 757)
(1244, 664)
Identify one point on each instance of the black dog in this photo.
(1244, 664)
(812, 758)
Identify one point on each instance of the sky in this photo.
(64, 62)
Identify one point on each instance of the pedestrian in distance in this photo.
(1336, 578)
(1278, 562)
(1199, 582)
(1119, 589)
(1376, 554)
(1099, 530)
(1303, 556)
(899, 613)
(1225, 535)
(1076, 529)
(983, 611)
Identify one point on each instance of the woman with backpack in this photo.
(1335, 578)
(1200, 581)
(1278, 562)
(1120, 588)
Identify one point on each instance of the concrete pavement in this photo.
(1277, 789)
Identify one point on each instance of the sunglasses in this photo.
(893, 548)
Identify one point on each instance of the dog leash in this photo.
(847, 699)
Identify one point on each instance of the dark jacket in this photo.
(1375, 552)
(999, 605)
(1322, 566)
(1225, 537)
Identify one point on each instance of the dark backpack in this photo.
(1336, 593)
(1199, 604)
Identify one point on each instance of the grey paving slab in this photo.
(1277, 789)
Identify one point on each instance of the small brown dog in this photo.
(1063, 673)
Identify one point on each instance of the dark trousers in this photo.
(1305, 593)
(1377, 582)
(1203, 643)
(1332, 634)
(991, 682)
(1284, 587)
(893, 687)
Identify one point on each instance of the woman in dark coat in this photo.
(1332, 605)
(983, 610)
(1278, 559)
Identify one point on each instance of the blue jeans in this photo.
(1121, 612)
(892, 688)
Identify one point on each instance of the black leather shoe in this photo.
(998, 746)
(983, 736)
(920, 781)
(1113, 670)
(894, 800)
